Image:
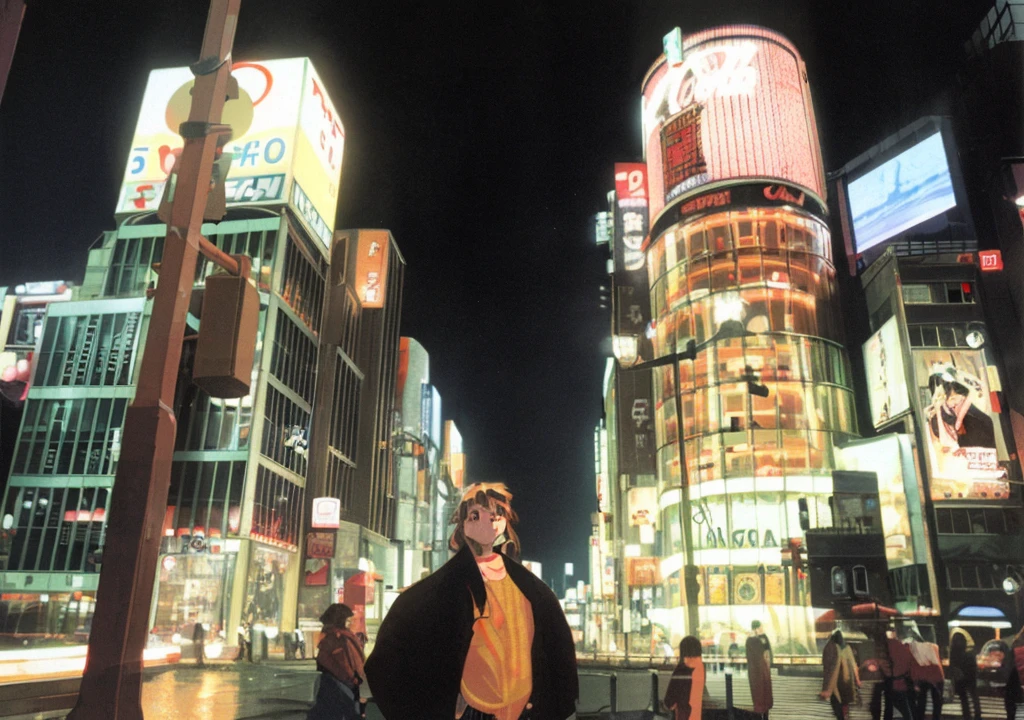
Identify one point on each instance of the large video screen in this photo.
(903, 192)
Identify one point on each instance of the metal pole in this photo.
(111, 687)
(686, 527)
(654, 691)
(613, 693)
(728, 694)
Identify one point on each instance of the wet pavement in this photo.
(278, 690)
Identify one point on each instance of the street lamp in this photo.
(729, 329)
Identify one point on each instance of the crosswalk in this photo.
(796, 698)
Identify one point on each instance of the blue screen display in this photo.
(907, 190)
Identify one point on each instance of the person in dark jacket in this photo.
(199, 641)
(482, 637)
(685, 693)
(759, 670)
(963, 668)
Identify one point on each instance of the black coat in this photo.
(415, 669)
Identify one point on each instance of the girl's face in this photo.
(348, 622)
(484, 525)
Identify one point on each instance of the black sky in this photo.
(483, 135)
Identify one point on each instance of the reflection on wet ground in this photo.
(229, 691)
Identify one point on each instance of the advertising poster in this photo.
(608, 578)
(775, 588)
(320, 545)
(966, 448)
(737, 107)
(643, 506)
(286, 145)
(887, 380)
(643, 571)
(718, 588)
(748, 589)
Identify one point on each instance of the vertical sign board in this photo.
(286, 145)
(633, 314)
(372, 267)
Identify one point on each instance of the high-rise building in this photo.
(379, 272)
(755, 392)
(237, 493)
(415, 476)
(934, 380)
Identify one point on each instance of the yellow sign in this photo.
(287, 141)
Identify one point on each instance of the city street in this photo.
(284, 691)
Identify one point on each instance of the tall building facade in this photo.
(237, 494)
(935, 378)
(414, 448)
(743, 293)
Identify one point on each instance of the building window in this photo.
(57, 529)
(939, 293)
(95, 350)
(971, 576)
(973, 521)
(303, 285)
(277, 508)
(917, 294)
(77, 437)
(294, 359)
(204, 499)
(285, 432)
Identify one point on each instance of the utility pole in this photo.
(111, 688)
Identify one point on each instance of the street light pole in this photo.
(111, 687)
(728, 330)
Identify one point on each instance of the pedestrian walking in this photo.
(339, 659)
(685, 693)
(926, 673)
(901, 693)
(199, 642)
(840, 677)
(759, 669)
(963, 669)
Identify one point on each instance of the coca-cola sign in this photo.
(736, 108)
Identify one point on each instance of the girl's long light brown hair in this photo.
(496, 498)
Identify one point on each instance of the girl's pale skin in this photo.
(481, 528)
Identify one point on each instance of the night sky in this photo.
(482, 134)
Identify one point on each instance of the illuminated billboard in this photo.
(901, 193)
(372, 267)
(736, 107)
(886, 376)
(286, 147)
(966, 449)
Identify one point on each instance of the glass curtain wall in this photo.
(747, 459)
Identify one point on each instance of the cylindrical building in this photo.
(741, 274)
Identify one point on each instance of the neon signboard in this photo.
(736, 107)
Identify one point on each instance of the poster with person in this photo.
(966, 448)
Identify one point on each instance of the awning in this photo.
(980, 616)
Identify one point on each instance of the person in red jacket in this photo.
(926, 673)
(339, 659)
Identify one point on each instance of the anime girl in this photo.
(482, 638)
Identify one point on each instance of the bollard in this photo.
(728, 694)
(654, 691)
(613, 693)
